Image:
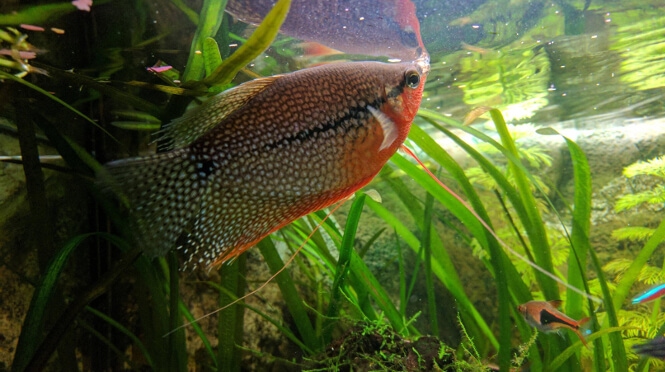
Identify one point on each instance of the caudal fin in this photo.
(579, 334)
(163, 193)
(583, 330)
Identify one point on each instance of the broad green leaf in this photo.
(83, 155)
(210, 20)
(580, 244)
(165, 88)
(255, 45)
(211, 55)
(197, 329)
(31, 332)
(136, 116)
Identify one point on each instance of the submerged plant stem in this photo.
(39, 221)
(503, 244)
(429, 282)
(52, 339)
(36, 191)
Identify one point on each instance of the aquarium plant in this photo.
(503, 212)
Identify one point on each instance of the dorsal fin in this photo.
(555, 303)
(195, 123)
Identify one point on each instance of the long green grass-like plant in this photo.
(31, 333)
(579, 240)
(580, 213)
(354, 292)
(343, 266)
(361, 286)
(230, 326)
(442, 265)
(427, 250)
(500, 264)
(290, 294)
(160, 307)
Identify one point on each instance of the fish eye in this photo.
(412, 79)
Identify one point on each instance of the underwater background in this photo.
(546, 117)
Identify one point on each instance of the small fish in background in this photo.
(653, 348)
(315, 54)
(544, 316)
(258, 156)
(368, 27)
(311, 48)
(649, 295)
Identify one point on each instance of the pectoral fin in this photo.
(387, 125)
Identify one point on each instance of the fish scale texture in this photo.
(288, 146)
(375, 27)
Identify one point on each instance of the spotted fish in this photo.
(373, 27)
(265, 153)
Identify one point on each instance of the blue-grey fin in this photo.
(654, 348)
(387, 125)
(182, 131)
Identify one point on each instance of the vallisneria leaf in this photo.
(442, 268)
(534, 226)
(32, 327)
(343, 264)
(294, 302)
(31, 334)
(117, 325)
(136, 116)
(136, 125)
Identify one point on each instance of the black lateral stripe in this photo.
(547, 317)
(357, 113)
